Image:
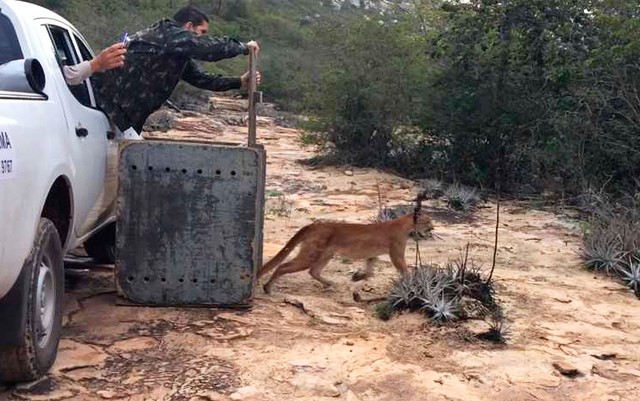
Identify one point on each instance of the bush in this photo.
(442, 292)
(611, 244)
(461, 198)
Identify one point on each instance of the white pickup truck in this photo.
(57, 181)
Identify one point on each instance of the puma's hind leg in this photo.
(305, 259)
(315, 270)
(295, 265)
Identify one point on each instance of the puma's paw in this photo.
(359, 276)
(328, 288)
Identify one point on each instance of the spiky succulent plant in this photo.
(402, 293)
(438, 291)
(461, 198)
(602, 250)
(498, 332)
(432, 189)
(630, 273)
(390, 213)
(441, 309)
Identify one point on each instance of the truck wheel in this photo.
(102, 245)
(43, 282)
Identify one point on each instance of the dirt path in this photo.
(303, 343)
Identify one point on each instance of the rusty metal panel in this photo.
(190, 222)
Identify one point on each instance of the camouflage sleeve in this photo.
(195, 76)
(204, 47)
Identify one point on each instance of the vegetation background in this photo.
(542, 95)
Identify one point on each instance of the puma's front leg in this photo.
(368, 270)
(397, 258)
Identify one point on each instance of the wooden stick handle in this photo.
(252, 99)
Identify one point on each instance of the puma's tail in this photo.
(284, 252)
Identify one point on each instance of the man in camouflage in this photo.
(156, 59)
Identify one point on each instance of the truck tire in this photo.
(41, 284)
(102, 245)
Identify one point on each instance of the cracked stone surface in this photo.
(305, 343)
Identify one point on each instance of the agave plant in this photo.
(630, 273)
(431, 281)
(390, 213)
(498, 332)
(385, 214)
(628, 230)
(431, 189)
(602, 250)
(442, 309)
(402, 294)
(462, 198)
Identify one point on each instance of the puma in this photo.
(321, 240)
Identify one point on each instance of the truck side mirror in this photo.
(24, 75)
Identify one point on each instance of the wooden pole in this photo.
(252, 99)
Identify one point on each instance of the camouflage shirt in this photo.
(157, 58)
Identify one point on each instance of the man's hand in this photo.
(111, 57)
(245, 79)
(253, 47)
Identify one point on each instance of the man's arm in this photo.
(204, 47)
(199, 78)
(76, 74)
(111, 57)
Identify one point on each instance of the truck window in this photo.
(66, 55)
(85, 53)
(9, 46)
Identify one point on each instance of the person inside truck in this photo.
(109, 58)
(156, 59)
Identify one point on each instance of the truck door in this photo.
(92, 147)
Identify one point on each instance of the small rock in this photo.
(306, 366)
(221, 334)
(330, 320)
(566, 369)
(73, 355)
(348, 172)
(106, 394)
(41, 383)
(210, 396)
(313, 386)
(563, 300)
(57, 395)
(134, 344)
(349, 343)
(84, 374)
(133, 379)
(244, 393)
(351, 396)
(606, 357)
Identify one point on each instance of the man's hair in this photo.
(190, 14)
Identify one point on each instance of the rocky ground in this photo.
(573, 336)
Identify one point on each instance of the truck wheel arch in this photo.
(58, 207)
